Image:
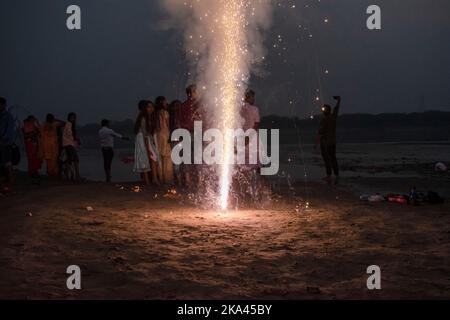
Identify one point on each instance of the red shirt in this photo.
(189, 113)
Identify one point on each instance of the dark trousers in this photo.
(329, 157)
(108, 156)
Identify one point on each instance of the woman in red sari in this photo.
(31, 133)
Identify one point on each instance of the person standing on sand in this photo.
(251, 118)
(106, 136)
(190, 112)
(145, 150)
(175, 113)
(162, 137)
(327, 140)
(7, 130)
(50, 146)
(31, 135)
(250, 112)
(155, 162)
(70, 143)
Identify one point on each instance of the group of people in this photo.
(55, 142)
(153, 147)
(154, 126)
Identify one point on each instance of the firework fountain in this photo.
(224, 43)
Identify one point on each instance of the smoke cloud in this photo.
(205, 25)
(224, 43)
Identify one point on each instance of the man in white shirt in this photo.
(250, 112)
(251, 119)
(106, 136)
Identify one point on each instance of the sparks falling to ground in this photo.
(223, 41)
(232, 26)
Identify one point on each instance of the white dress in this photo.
(141, 157)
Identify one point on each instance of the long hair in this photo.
(74, 124)
(50, 118)
(159, 103)
(143, 114)
(156, 119)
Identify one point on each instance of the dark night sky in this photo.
(121, 56)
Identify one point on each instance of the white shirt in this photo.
(106, 136)
(250, 115)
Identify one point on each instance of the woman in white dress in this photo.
(145, 149)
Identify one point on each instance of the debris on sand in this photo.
(89, 209)
(29, 214)
(395, 198)
(376, 198)
(415, 198)
(372, 198)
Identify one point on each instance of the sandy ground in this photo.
(135, 246)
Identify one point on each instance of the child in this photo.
(70, 142)
(106, 136)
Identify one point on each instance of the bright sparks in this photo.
(232, 29)
(223, 41)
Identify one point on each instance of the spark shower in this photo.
(223, 40)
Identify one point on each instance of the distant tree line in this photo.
(352, 128)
